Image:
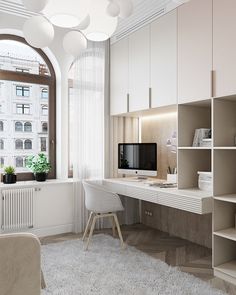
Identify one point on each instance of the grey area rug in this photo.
(107, 270)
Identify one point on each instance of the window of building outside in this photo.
(1, 126)
(43, 142)
(18, 127)
(1, 144)
(23, 109)
(26, 72)
(19, 144)
(1, 161)
(28, 144)
(44, 93)
(28, 127)
(21, 70)
(45, 127)
(22, 91)
(44, 110)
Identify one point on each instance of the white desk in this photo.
(191, 200)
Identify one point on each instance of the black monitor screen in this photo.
(140, 156)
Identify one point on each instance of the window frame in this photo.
(50, 82)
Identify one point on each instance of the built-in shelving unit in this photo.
(224, 163)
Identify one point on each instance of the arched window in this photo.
(28, 127)
(45, 127)
(1, 126)
(44, 93)
(1, 144)
(18, 126)
(44, 110)
(19, 144)
(28, 144)
(19, 162)
(1, 162)
(32, 76)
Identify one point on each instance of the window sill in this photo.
(33, 183)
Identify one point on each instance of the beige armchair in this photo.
(20, 267)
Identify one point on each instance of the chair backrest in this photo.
(99, 199)
(20, 265)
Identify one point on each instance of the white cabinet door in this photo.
(195, 51)
(164, 60)
(224, 47)
(139, 69)
(119, 77)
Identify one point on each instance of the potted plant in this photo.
(9, 176)
(39, 165)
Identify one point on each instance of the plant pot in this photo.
(9, 178)
(40, 176)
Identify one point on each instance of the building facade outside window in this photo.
(27, 77)
(22, 91)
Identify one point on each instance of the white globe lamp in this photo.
(67, 13)
(74, 43)
(102, 26)
(113, 9)
(35, 5)
(126, 8)
(38, 31)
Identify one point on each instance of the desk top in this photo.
(192, 200)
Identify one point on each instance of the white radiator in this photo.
(17, 209)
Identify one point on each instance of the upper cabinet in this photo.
(139, 69)
(119, 77)
(195, 50)
(163, 64)
(224, 47)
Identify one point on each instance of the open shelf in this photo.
(228, 268)
(229, 233)
(190, 161)
(226, 198)
(193, 148)
(224, 110)
(192, 117)
(225, 148)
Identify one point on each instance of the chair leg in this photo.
(91, 232)
(87, 226)
(119, 231)
(113, 226)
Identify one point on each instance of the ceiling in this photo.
(145, 11)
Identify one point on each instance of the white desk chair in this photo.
(102, 203)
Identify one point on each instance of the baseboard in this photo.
(52, 231)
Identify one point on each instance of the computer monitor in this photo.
(137, 159)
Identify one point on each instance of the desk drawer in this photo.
(141, 194)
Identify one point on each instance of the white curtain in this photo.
(87, 102)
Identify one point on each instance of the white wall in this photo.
(11, 24)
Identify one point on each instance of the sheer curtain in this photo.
(87, 102)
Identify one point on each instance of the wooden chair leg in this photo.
(87, 226)
(91, 231)
(113, 226)
(119, 231)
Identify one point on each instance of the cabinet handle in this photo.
(127, 102)
(212, 83)
(150, 98)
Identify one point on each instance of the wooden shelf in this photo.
(225, 148)
(229, 233)
(228, 268)
(227, 198)
(193, 148)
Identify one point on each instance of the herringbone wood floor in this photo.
(191, 258)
